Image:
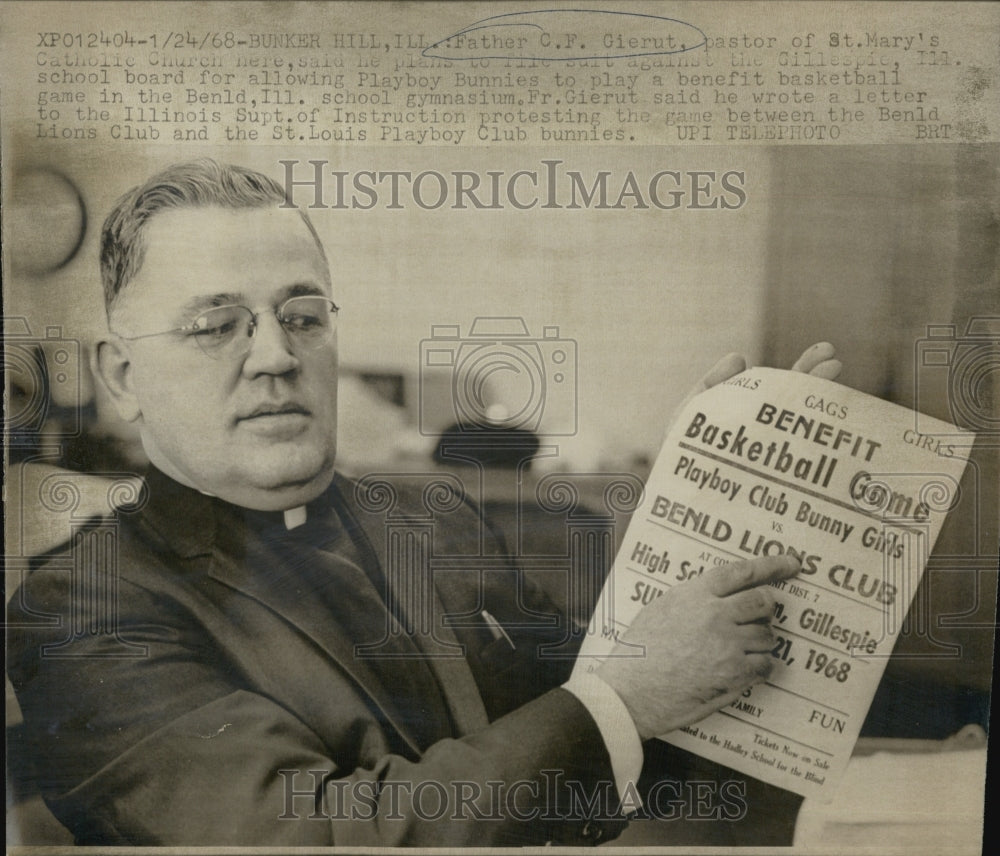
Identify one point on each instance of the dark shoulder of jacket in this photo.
(431, 498)
(64, 549)
(43, 590)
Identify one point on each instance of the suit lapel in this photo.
(279, 587)
(409, 583)
(195, 525)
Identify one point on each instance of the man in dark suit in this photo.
(280, 663)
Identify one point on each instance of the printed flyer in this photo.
(775, 462)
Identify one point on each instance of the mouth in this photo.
(266, 410)
(278, 418)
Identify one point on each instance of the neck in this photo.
(272, 498)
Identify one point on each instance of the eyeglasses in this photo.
(225, 332)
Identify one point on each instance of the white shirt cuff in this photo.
(617, 729)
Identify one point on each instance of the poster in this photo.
(598, 201)
(803, 485)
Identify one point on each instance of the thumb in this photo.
(729, 366)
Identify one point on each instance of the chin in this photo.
(278, 495)
(292, 475)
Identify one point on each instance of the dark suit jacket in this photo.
(204, 690)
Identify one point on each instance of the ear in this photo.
(114, 369)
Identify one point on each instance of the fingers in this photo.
(819, 361)
(740, 576)
(756, 604)
(729, 366)
(813, 356)
(828, 369)
(756, 638)
(759, 665)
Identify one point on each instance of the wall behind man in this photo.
(651, 298)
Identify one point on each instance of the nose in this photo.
(270, 350)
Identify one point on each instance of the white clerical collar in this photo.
(295, 517)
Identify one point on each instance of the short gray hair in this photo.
(194, 184)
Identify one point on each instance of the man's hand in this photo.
(818, 360)
(705, 641)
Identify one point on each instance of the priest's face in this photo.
(243, 405)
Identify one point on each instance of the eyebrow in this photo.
(228, 298)
(207, 301)
(303, 289)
